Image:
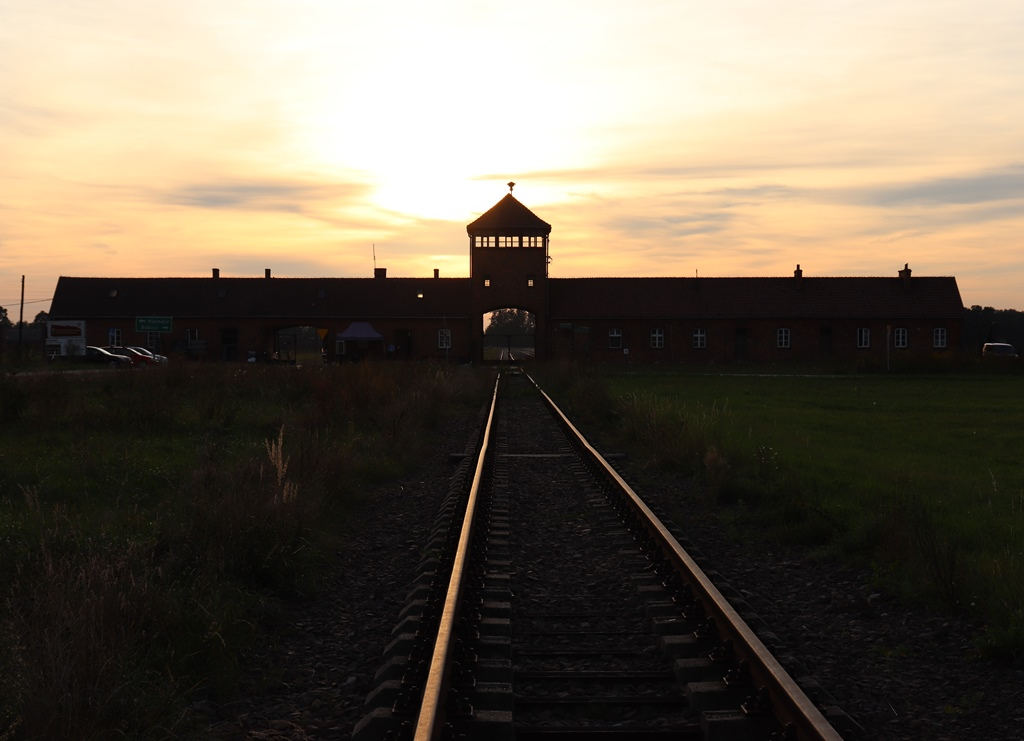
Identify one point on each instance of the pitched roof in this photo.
(570, 298)
(283, 298)
(360, 331)
(753, 298)
(509, 217)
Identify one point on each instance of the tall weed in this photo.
(924, 548)
(80, 617)
(167, 513)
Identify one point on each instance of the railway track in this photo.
(553, 604)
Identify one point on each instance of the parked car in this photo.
(160, 359)
(102, 355)
(998, 350)
(138, 358)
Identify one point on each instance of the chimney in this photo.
(437, 273)
(905, 274)
(380, 273)
(798, 273)
(216, 272)
(266, 272)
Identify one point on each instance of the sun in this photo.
(425, 123)
(429, 165)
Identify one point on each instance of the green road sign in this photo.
(152, 324)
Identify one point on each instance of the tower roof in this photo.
(509, 217)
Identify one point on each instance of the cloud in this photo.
(30, 120)
(724, 167)
(259, 196)
(985, 187)
(342, 206)
(672, 226)
(768, 191)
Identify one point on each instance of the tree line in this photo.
(986, 324)
(40, 321)
(511, 322)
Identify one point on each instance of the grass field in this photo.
(153, 522)
(919, 477)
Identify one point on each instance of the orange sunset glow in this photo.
(726, 138)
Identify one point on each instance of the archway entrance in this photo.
(509, 335)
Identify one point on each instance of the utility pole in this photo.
(21, 315)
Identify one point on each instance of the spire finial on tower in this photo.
(511, 185)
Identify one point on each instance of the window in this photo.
(657, 338)
(939, 338)
(700, 339)
(487, 282)
(900, 338)
(484, 241)
(863, 337)
(782, 337)
(114, 336)
(508, 241)
(529, 282)
(191, 335)
(615, 339)
(533, 241)
(444, 339)
(339, 347)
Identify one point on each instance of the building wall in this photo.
(412, 338)
(727, 341)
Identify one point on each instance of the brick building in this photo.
(860, 321)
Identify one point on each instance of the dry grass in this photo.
(151, 522)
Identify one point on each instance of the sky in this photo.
(658, 138)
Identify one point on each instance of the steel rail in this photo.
(430, 719)
(789, 702)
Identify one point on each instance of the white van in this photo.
(998, 350)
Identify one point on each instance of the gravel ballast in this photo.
(898, 672)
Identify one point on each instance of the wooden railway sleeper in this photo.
(758, 703)
(737, 675)
(707, 629)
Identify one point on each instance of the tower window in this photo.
(484, 241)
(487, 282)
(529, 282)
(508, 241)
